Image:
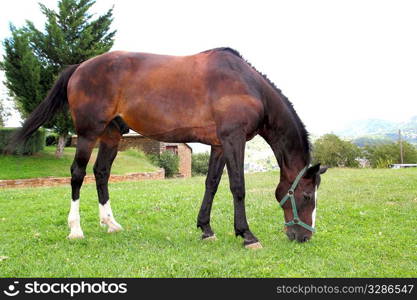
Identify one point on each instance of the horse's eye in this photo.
(307, 197)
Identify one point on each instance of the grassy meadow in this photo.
(44, 164)
(366, 227)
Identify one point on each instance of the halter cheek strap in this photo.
(290, 195)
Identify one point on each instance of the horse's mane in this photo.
(303, 131)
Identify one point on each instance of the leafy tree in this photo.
(332, 151)
(381, 156)
(33, 59)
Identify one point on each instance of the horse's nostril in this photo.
(304, 239)
(291, 235)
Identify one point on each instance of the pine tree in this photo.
(34, 58)
(23, 72)
(2, 114)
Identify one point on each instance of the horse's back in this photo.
(166, 97)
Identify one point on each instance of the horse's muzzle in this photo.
(299, 236)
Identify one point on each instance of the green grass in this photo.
(44, 164)
(366, 225)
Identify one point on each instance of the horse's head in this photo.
(299, 200)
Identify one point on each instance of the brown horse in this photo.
(214, 97)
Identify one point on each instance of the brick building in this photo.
(150, 146)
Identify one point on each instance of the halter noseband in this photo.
(290, 195)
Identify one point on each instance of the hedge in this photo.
(34, 144)
(200, 164)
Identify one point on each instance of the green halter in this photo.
(290, 195)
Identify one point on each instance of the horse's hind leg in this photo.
(82, 156)
(109, 142)
(216, 166)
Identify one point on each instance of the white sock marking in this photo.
(74, 220)
(107, 218)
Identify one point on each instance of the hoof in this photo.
(254, 246)
(75, 235)
(114, 228)
(112, 225)
(210, 238)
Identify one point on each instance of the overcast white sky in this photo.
(337, 61)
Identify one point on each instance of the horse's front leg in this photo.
(234, 149)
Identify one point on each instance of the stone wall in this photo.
(54, 181)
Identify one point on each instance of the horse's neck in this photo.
(284, 134)
(291, 161)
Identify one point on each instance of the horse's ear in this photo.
(323, 169)
(315, 170)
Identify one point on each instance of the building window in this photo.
(173, 149)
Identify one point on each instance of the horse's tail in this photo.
(55, 101)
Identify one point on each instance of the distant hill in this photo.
(378, 130)
(368, 127)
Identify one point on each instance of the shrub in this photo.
(167, 160)
(200, 163)
(34, 144)
(382, 163)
